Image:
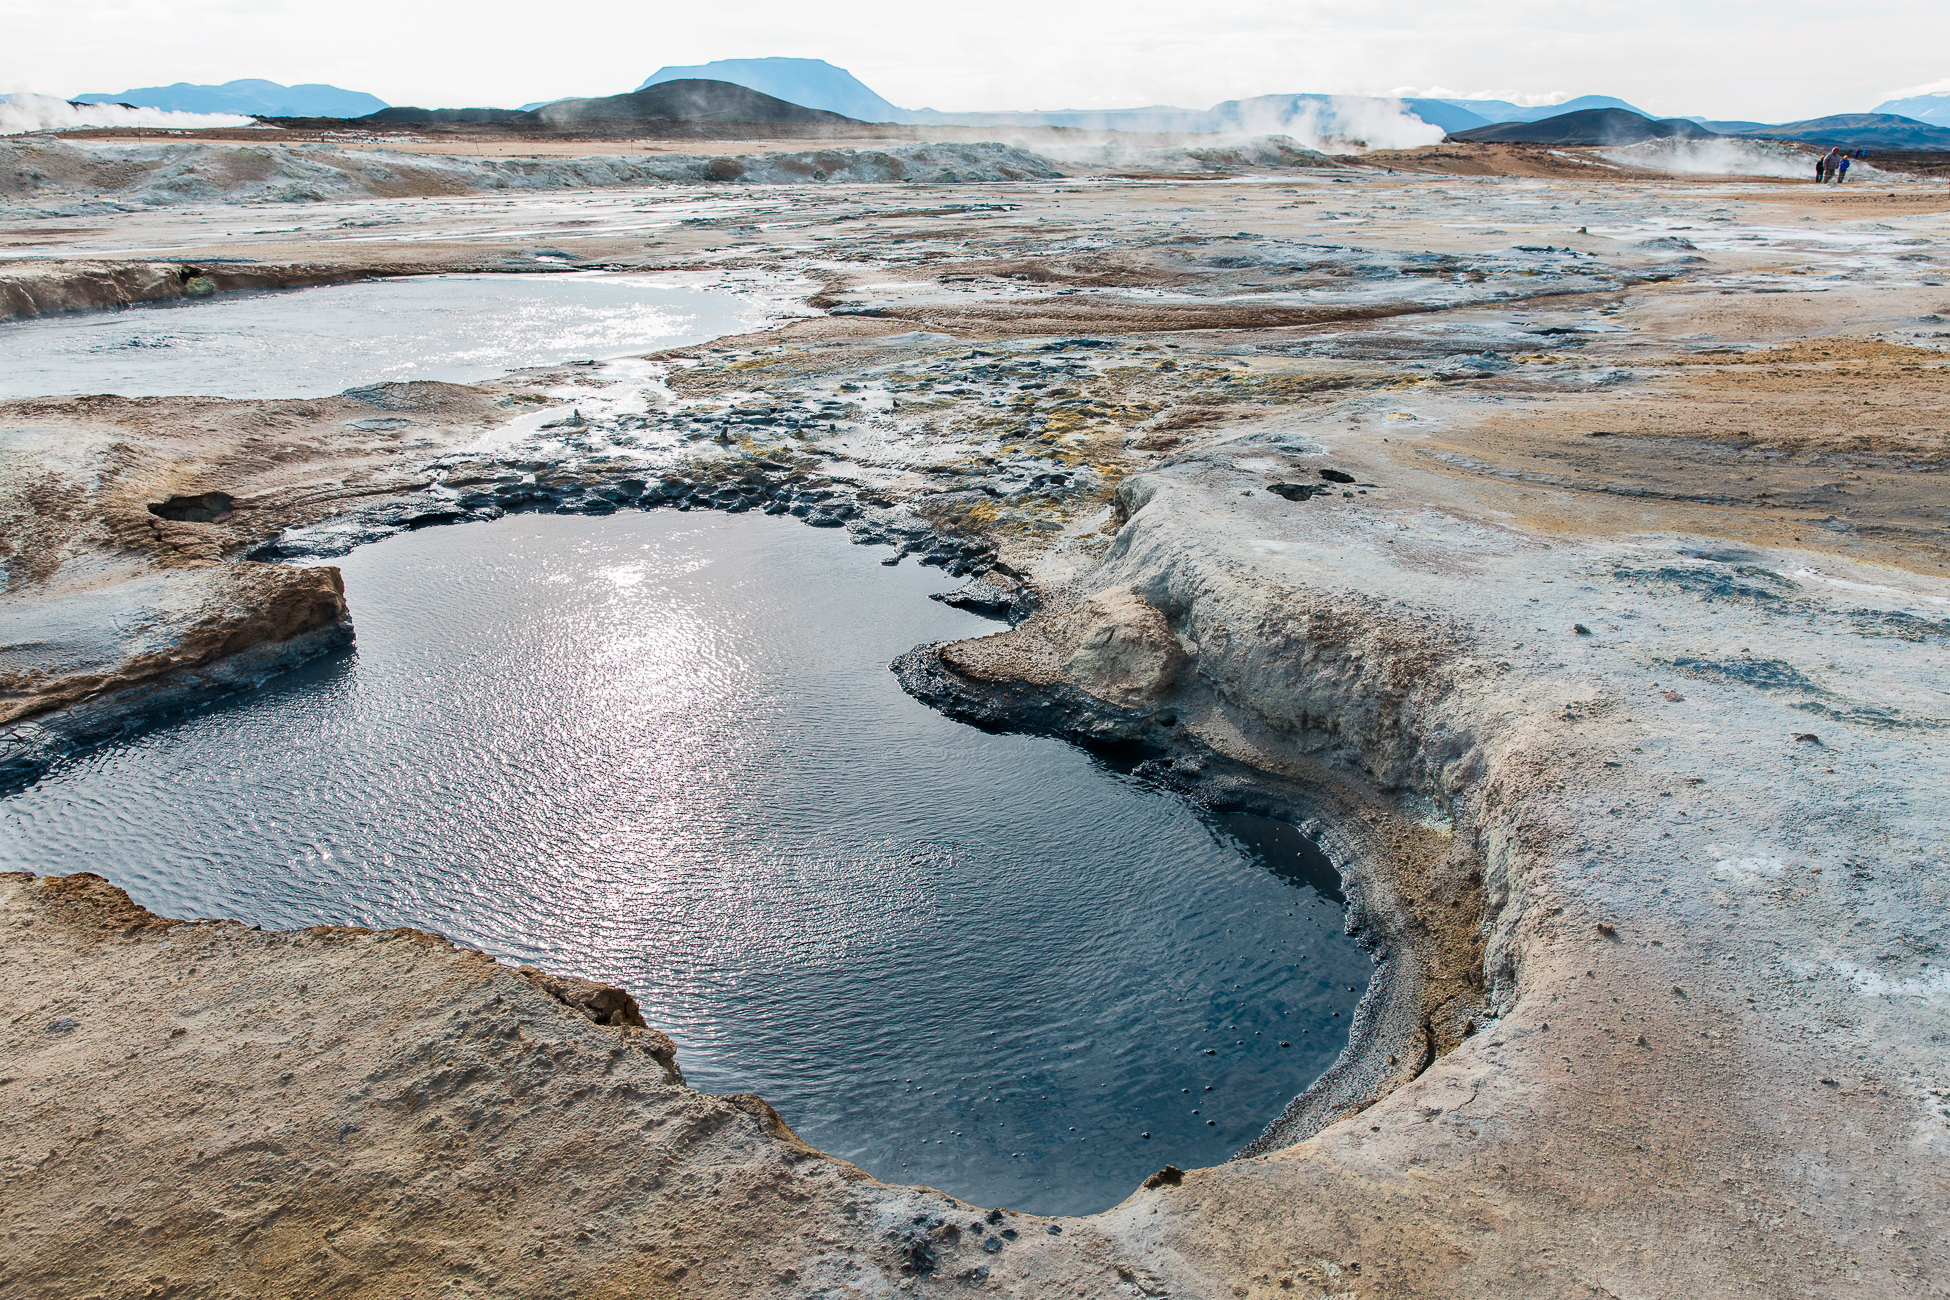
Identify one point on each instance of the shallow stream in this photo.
(663, 750)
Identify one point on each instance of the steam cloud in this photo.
(1344, 124)
(1273, 130)
(1718, 158)
(31, 112)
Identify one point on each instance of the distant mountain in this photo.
(813, 83)
(1858, 131)
(1934, 109)
(1490, 111)
(818, 84)
(1591, 126)
(690, 100)
(1447, 115)
(1500, 110)
(253, 98)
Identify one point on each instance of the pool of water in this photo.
(664, 750)
(319, 341)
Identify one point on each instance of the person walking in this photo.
(1841, 171)
(1832, 160)
(1821, 169)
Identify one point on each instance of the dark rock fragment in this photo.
(202, 508)
(1296, 491)
(432, 518)
(917, 1256)
(1336, 476)
(1169, 1176)
(992, 595)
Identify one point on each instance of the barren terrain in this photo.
(1570, 548)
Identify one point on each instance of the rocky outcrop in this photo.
(1517, 818)
(1108, 670)
(212, 1110)
(219, 1111)
(36, 288)
(80, 665)
(1111, 645)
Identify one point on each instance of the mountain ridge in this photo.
(818, 87)
(689, 99)
(1587, 127)
(809, 83)
(250, 96)
(1933, 108)
(1859, 130)
(1494, 111)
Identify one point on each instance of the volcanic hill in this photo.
(1592, 126)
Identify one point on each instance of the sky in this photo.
(1767, 60)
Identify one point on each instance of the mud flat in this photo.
(1573, 548)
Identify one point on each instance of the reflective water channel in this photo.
(319, 341)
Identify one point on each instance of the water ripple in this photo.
(663, 750)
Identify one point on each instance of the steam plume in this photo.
(30, 112)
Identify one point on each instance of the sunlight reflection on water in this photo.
(663, 750)
(319, 341)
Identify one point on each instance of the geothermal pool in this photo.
(319, 341)
(663, 750)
